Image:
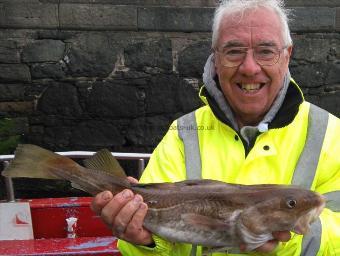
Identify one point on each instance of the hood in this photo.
(281, 113)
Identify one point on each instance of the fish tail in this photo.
(31, 161)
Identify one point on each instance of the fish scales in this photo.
(204, 212)
(176, 223)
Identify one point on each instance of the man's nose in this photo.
(249, 66)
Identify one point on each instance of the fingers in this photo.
(283, 236)
(126, 214)
(135, 226)
(132, 180)
(100, 200)
(267, 247)
(110, 211)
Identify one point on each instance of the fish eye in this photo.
(291, 203)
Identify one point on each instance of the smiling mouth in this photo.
(250, 88)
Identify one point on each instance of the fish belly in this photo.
(175, 229)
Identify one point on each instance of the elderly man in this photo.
(262, 132)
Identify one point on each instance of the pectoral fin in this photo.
(204, 222)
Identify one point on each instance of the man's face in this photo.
(250, 88)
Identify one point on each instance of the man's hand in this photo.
(124, 213)
(282, 236)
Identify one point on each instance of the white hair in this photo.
(229, 7)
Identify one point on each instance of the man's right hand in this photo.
(124, 213)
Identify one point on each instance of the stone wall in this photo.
(88, 74)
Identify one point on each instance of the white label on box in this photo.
(15, 221)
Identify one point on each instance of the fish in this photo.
(210, 213)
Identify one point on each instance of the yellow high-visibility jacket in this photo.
(272, 159)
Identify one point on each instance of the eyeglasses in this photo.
(263, 55)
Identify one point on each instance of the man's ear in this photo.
(289, 50)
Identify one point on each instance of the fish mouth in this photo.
(301, 228)
(303, 224)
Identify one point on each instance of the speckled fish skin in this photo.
(217, 214)
(203, 212)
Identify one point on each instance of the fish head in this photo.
(313, 208)
(281, 209)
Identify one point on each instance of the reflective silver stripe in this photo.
(333, 200)
(311, 242)
(306, 167)
(187, 131)
(193, 250)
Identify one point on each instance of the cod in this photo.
(210, 213)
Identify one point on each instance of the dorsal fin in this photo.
(103, 160)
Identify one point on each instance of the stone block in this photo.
(46, 50)
(97, 17)
(14, 73)
(311, 49)
(48, 70)
(36, 129)
(25, 14)
(337, 20)
(333, 75)
(91, 54)
(192, 59)
(97, 134)
(187, 95)
(12, 92)
(175, 19)
(112, 100)
(132, 77)
(9, 52)
(48, 120)
(154, 54)
(161, 95)
(34, 89)
(194, 3)
(179, 3)
(331, 102)
(327, 3)
(147, 131)
(335, 51)
(57, 136)
(312, 98)
(60, 99)
(310, 75)
(313, 19)
(20, 107)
